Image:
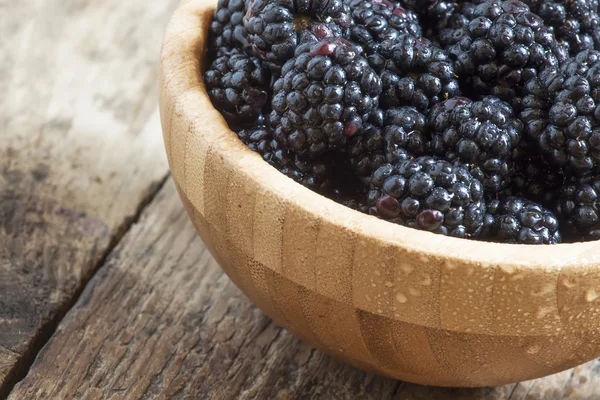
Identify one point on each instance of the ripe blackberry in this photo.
(226, 29)
(272, 25)
(414, 73)
(238, 85)
(378, 20)
(429, 194)
(316, 175)
(575, 22)
(431, 11)
(481, 135)
(579, 208)
(535, 180)
(497, 45)
(401, 136)
(324, 95)
(562, 115)
(519, 221)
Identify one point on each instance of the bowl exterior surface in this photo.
(403, 303)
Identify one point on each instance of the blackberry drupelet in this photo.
(562, 114)
(498, 44)
(579, 209)
(575, 22)
(226, 29)
(429, 194)
(273, 26)
(403, 137)
(414, 72)
(519, 221)
(238, 87)
(480, 135)
(323, 97)
(378, 20)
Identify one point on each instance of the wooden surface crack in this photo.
(49, 328)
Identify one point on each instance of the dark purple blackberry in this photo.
(323, 97)
(429, 194)
(481, 135)
(562, 114)
(273, 26)
(497, 45)
(238, 87)
(318, 175)
(579, 209)
(536, 180)
(414, 73)
(226, 29)
(431, 11)
(378, 20)
(519, 221)
(400, 136)
(575, 22)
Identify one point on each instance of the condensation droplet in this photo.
(401, 298)
(377, 272)
(414, 292)
(591, 295)
(374, 285)
(407, 268)
(389, 284)
(566, 282)
(534, 348)
(426, 280)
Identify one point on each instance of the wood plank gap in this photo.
(21, 368)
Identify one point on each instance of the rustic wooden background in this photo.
(105, 289)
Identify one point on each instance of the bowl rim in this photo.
(184, 79)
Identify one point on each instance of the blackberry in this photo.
(579, 208)
(401, 136)
(536, 180)
(519, 221)
(414, 72)
(575, 22)
(272, 25)
(378, 20)
(499, 44)
(226, 29)
(429, 194)
(324, 95)
(238, 87)
(431, 11)
(315, 175)
(481, 135)
(562, 116)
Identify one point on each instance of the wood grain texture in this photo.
(162, 321)
(81, 150)
(406, 303)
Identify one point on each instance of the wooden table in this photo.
(106, 291)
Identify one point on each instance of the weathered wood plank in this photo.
(161, 320)
(80, 150)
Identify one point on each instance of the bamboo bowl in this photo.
(404, 303)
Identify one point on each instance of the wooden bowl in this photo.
(404, 303)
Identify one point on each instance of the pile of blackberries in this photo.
(471, 119)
